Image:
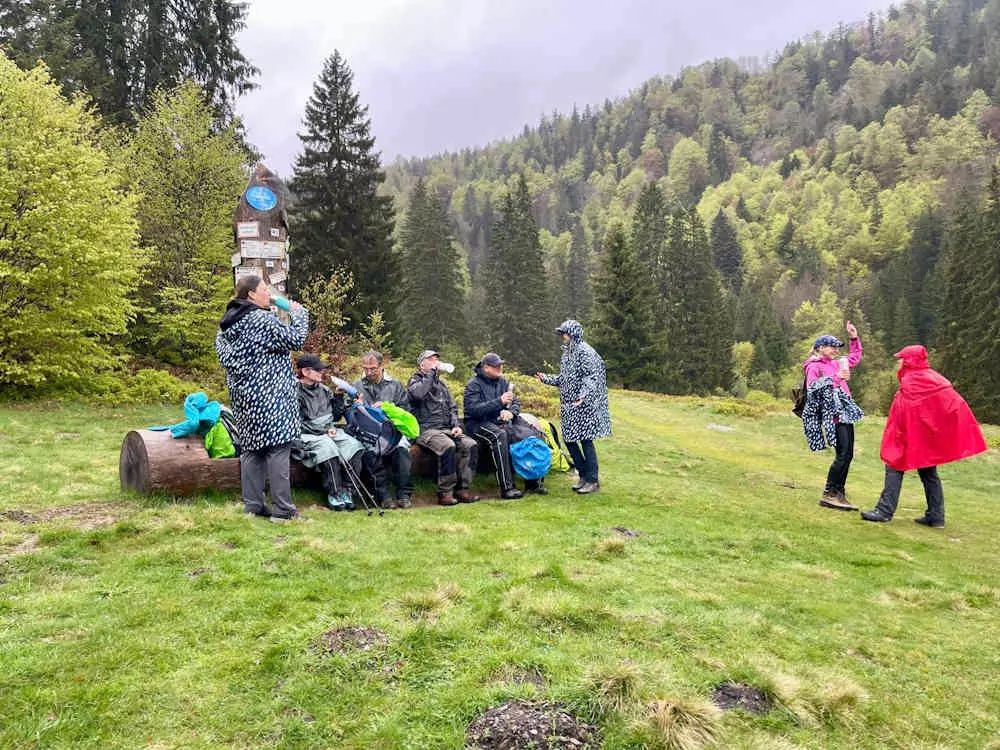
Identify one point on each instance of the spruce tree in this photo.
(338, 219)
(698, 329)
(578, 290)
(727, 252)
(970, 327)
(649, 238)
(622, 330)
(120, 52)
(515, 311)
(433, 283)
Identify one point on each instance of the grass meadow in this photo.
(152, 622)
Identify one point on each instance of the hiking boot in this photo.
(835, 500)
(405, 502)
(588, 488)
(388, 504)
(258, 513)
(335, 502)
(875, 515)
(512, 494)
(932, 522)
(445, 500)
(287, 519)
(539, 490)
(347, 500)
(466, 497)
(578, 485)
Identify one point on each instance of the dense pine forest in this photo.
(849, 178)
(704, 228)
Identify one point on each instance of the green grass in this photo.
(137, 622)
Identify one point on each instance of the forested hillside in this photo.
(849, 177)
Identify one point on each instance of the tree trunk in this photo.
(154, 461)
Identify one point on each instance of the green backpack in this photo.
(218, 443)
(405, 422)
(560, 459)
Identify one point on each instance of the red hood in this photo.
(914, 358)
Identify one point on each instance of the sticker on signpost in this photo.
(261, 198)
(247, 229)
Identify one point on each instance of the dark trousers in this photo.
(267, 466)
(334, 478)
(584, 457)
(933, 492)
(836, 478)
(401, 464)
(495, 439)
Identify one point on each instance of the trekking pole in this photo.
(366, 497)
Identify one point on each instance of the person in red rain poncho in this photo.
(929, 424)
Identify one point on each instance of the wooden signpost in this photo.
(260, 230)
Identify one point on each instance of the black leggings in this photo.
(836, 478)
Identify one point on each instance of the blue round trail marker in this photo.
(261, 198)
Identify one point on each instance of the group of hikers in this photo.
(283, 411)
(929, 424)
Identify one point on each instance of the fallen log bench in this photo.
(155, 461)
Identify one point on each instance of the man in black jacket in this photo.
(374, 387)
(491, 409)
(440, 433)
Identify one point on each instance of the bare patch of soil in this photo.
(86, 516)
(627, 533)
(351, 638)
(523, 724)
(731, 695)
(28, 544)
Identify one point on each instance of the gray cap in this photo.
(425, 354)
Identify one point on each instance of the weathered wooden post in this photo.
(261, 231)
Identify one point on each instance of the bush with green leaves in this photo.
(68, 254)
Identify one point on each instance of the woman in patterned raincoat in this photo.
(583, 402)
(254, 347)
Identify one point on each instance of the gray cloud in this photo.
(447, 74)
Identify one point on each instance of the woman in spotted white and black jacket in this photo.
(254, 348)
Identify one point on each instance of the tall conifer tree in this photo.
(649, 237)
(699, 332)
(970, 327)
(578, 290)
(623, 316)
(433, 282)
(120, 52)
(338, 217)
(515, 304)
(727, 252)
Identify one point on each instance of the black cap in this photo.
(492, 359)
(311, 361)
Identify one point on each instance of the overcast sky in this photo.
(441, 75)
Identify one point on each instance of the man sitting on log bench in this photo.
(440, 432)
(375, 387)
(322, 445)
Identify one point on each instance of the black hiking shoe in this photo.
(875, 515)
(932, 522)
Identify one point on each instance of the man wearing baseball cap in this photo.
(322, 445)
(490, 408)
(440, 432)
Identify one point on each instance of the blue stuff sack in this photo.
(531, 458)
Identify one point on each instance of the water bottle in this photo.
(282, 304)
(447, 367)
(845, 369)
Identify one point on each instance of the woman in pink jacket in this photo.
(826, 362)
